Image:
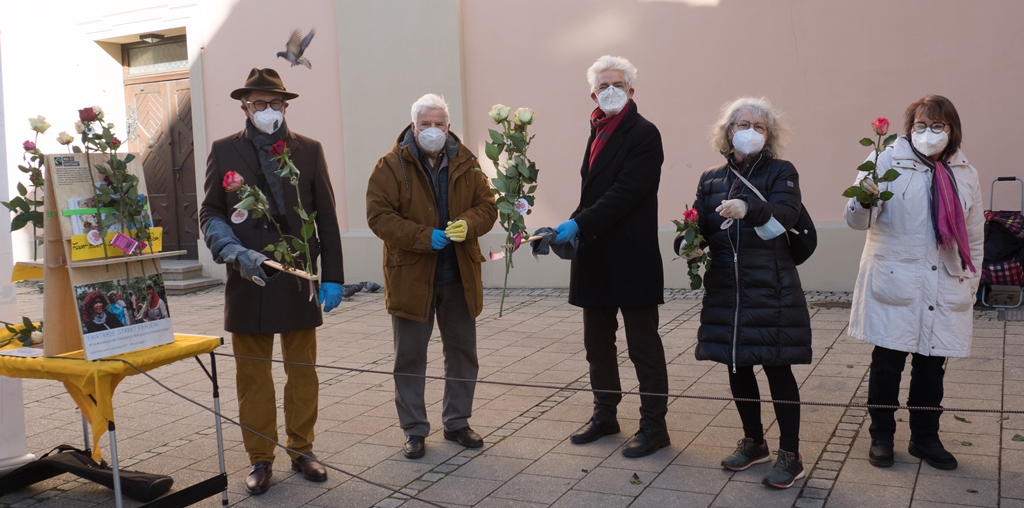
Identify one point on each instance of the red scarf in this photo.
(605, 126)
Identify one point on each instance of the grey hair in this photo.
(608, 62)
(777, 132)
(429, 101)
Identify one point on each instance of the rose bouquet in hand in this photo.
(691, 248)
(516, 179)
(866, 192)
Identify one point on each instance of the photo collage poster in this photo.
(122, 315)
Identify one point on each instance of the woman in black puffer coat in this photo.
(754, 312)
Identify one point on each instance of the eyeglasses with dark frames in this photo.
(275, 104)
(936, 127)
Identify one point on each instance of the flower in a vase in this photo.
(65, 139)
(87, 115)
(39, 124)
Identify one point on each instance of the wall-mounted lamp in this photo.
(151, 38)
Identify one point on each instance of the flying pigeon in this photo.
(296, 46)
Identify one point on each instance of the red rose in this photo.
(232, 181)
(87, 115)
(881, 126)
(690, 215)
(29, 146)
(115, 143)
(279, 148)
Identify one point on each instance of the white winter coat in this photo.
(911, 295)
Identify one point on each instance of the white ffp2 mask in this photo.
(930, 143)
(748, 141)
(268, 120)
(611, 100)
(432, 140)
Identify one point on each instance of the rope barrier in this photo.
(626, 392)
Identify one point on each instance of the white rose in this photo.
(64, 138)
(39, 124)
(79, 127)
(37, 337)
(523, 116)
(499, 112)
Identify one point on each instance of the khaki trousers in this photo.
(257, 402)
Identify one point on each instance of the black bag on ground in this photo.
(803, 238)
(140, 486)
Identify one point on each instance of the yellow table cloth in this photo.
(91, 383)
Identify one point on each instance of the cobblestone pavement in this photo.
(527, 460)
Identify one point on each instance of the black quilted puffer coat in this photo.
(754, 310)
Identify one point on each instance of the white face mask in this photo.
(748, 141)
(930, 143)
(432, 140)
(268, 120)
(611, 100)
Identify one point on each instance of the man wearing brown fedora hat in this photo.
(257, 306)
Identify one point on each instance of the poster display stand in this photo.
(103, 296)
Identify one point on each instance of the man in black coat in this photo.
(618, 264)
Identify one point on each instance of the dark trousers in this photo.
(926, 375)
(783, 387)
(458, 342)
(645, 351)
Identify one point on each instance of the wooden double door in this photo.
(160, 130)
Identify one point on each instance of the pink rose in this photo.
(29, 146)
(232, 181)
(87, 115)
(690, 215)
(881, 126)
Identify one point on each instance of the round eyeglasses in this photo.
(275, 104)
(936, 127)
(760, 127)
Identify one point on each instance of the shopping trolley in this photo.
(1004, 249)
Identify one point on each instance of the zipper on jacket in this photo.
(736, 308)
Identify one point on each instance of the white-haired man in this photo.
(429, 202)
(618, 263)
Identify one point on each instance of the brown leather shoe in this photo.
(258, 480)
(311, 468)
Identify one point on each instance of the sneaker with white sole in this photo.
(787, 470)
(747, 454)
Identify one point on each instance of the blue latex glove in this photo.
(330, 295)
(438, 240)
(566, 231)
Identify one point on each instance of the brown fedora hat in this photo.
(267, 80)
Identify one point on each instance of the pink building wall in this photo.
(239, 43)
(831, 67)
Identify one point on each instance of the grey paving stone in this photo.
(492, 467)
(582, 499)
(661, 498)
(533, 488)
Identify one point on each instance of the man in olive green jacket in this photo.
(429, 202)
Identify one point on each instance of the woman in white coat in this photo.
(918, 274)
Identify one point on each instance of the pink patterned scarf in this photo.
(947, 214)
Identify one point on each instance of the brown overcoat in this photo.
(281, 305)
(400, 210)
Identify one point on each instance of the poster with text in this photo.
(122, 315)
